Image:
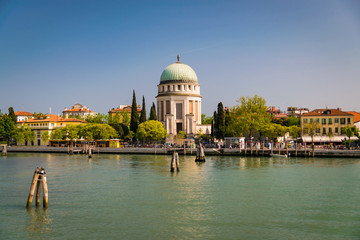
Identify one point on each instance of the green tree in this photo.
(45, 136)
(12, 115)
(295, 131)
(181, 135)
(349, 131)
(99, 118)
(134, 120)
(220, 122)
(143, 112)
(153, 112)
(7, 128)
(229, 127)
(151, 131)
(206, 119)
(251, 115)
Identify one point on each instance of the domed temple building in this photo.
(179, 100)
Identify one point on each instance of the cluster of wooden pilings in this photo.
(175, 163)
(38, 182)
(87, 149)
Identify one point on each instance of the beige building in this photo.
(328, 122)
(78, 110)
(179, 100)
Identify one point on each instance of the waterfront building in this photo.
(179, 100)
(276, 113)
(328, 122)
(123, 111)
(23, 116)
(294, 111)
(78, 110)
(46, 124)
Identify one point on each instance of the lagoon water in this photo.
(136, 197)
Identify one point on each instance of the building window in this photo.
(168, 108)
(336, 120)
(311, 120)
(330, 130)
(317, 120)
(342, 120)
(305, 120)
(179, 87)
(317, 130)
(348, 121)
(330, 120)
(189, 88)
(179, 111)
(324, 131)
(168, 88)
(163, 88)
(336, 130)
(323, 121)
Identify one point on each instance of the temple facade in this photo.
(179, 99)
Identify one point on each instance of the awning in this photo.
(338, 139)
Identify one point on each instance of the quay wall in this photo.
(208, 151)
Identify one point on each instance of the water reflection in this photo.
(39, 221)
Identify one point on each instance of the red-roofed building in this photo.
(78, 110)
(328, 123)
(46, 124)
(123, 110)
(356, 118)
(22, 116)
(276, 113)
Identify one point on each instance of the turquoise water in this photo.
(136, 197)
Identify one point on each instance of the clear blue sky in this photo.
(293, 53)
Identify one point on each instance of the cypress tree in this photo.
(12, 114)
(215, 126)
(134, 120)
(221, 120)
(143, 112)
(153, 112)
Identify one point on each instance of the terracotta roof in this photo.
(23, 113)
(356, 116)
(327, 112)
(54, 118)
(78, 110)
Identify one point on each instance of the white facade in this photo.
(179, 99)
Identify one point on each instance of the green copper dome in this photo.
(178, 72)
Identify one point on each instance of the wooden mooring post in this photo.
(39, 179)
(90, 154)
(200, 155)
(175, 164)
(4, 150)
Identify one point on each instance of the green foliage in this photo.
(206, 119)
(23, 134)
(153, 112)
(7, 128)
(134, 120)
(310, 129)
(143, 112)
(273, 130)
(295, 131)
(12, 114)
(45, 136)
(219, 124)
(151, 131)
(98, 119)
(86, 131)
(289, 121)
(181, 135)
(350, 131)
(121, 129)
(39, 115)
(251, 115)
(229, 127)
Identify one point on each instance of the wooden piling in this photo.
(32, 187)
(38, 189)
(45, 191)
(90, 154)
(200, 155)
(175, 164)
(4, 150)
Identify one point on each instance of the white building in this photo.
(78, 110)
(23, 116)
(179, 100)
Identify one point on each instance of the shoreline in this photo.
(192, 152)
